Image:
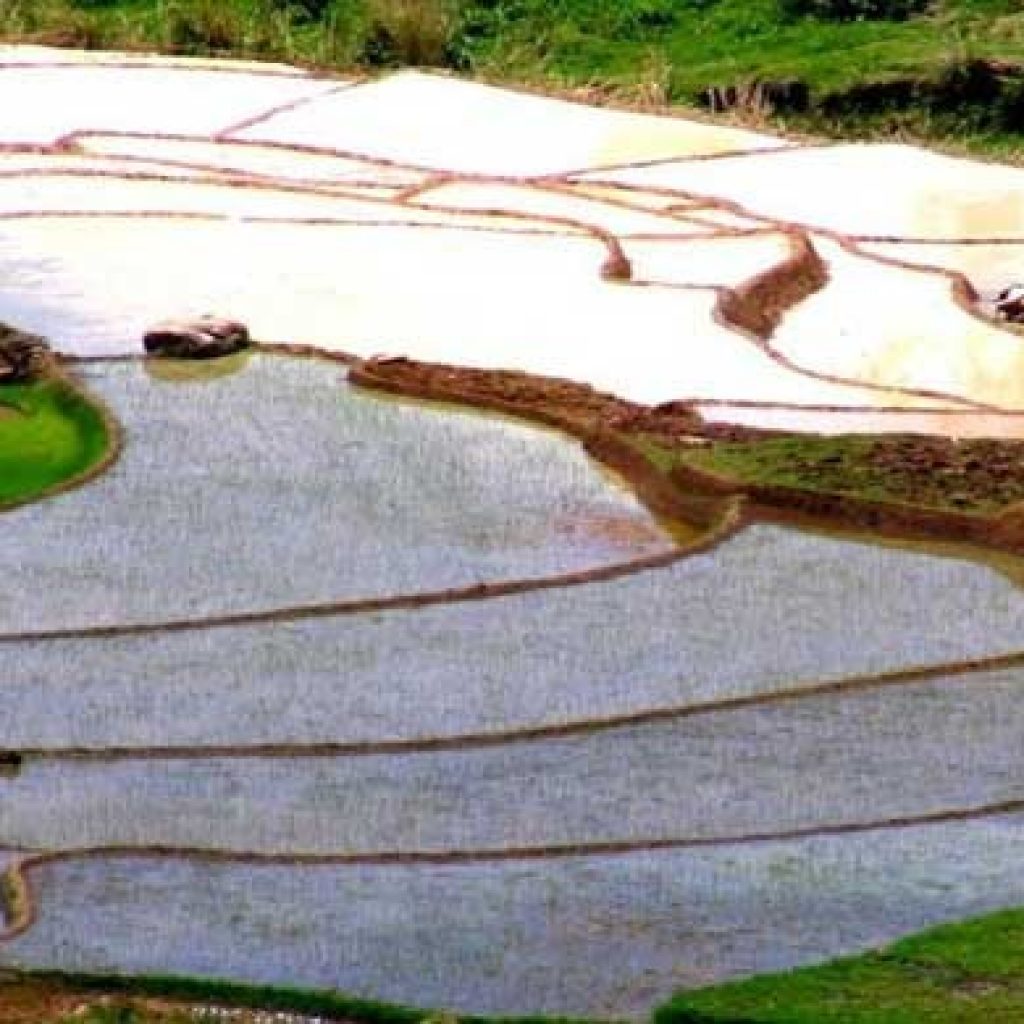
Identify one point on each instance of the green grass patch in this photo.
(50, 433)
(956, 974)
(970, 475)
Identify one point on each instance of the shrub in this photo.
(416, 32)
(304, 10)
(853, 10)
(51, 22)
(259, 28)
(200, 26)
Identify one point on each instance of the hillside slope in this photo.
(937, 69)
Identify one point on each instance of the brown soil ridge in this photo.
(759, 304)
(225, 134)
(597, 419)
(604, 424)
(1003, 530)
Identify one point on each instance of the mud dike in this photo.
(322, 688)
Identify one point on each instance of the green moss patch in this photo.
(955, 974)
(50, 433)
(972, 475)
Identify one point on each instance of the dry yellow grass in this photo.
(417, 31)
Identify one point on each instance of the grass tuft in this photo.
(966, 973)
(409, 32)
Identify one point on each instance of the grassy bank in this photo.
(50, 433)
(971, 475)
(938, 69)
(957, 974)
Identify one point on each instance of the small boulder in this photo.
(1010, 303)
(617, 267)
(203, 338)
(22, 356)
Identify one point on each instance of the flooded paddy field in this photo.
(822, 761)
(914, 336)
(278, 475)
(544, 276)
(487, 937)
(44, 115)
(444, 124)
(989, 266)
(318, 687)
(876, 190)
(532, 660)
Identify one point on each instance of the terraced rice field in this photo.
(285, 466)
(318, 687)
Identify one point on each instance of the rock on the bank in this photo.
(204, 338)
(22, 356)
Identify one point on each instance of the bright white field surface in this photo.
(818, 762)
(872, 190)
(268, 161)
(910, 335)
(446, 124)
(287, 143)
(603, 936)
(343, 283)
(707, 262)
(268, 238)
(989, 268)
(25, 166)
(280, 485)
(42, 104)
(832, 421)
(552, 207)
(808, 609)
(49, 195)
(22, 54)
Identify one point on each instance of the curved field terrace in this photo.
(323, 686)
(226, 486)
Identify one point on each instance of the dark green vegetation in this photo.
(970, 475)
(116, 999)
(939, 69)
(50, 433)
(956, 974)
